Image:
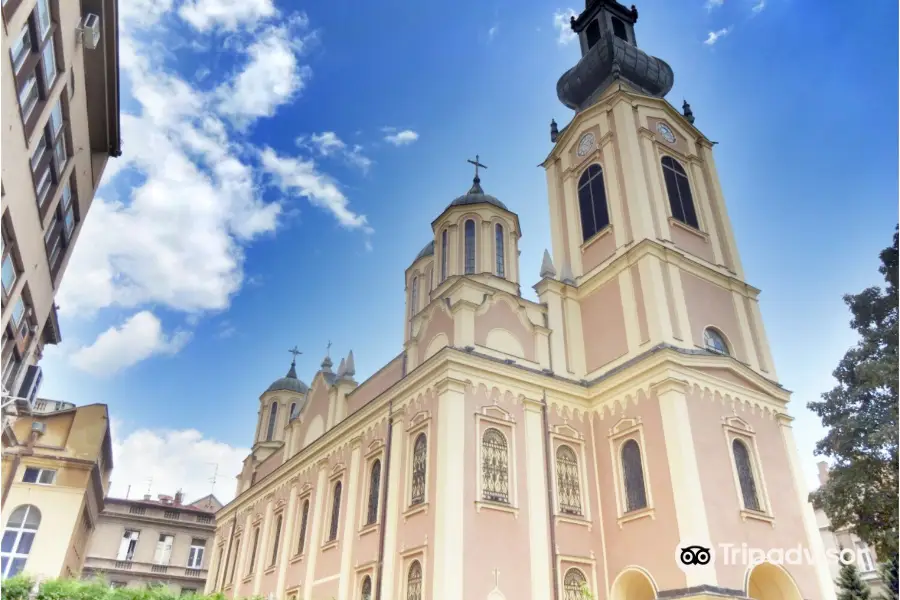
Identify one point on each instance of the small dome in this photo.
(428, 250)
(289, 383)
(476, 195)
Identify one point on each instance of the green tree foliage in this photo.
(889, 576)
(18, 588)
(850, 584)
(861, 416)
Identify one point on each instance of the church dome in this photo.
(428, 250)
(476, 195)
(289, 383)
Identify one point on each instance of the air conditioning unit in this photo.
(89, 31)
(31, 383)
(39, 427)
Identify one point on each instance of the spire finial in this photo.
(688, 113)
(328, 349)
(295, 352)
(477, 164)
(554, 130)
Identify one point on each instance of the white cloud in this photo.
(140, 337)
(296, 175)
(562, 22)
(715, 36)
(758, 7)
(402, 138)
(169, 460)
(492, 32)
(328, 144)
(226, 14)
(713, 4)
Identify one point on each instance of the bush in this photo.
(19, 587)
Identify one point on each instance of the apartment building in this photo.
(145, 542)
(60, 115)
(56, 470)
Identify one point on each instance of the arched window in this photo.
(568, 483)
(444, 256)
(277, 541)
(366, 590)
(494, 466)
(592, 202)
(335, 512)
(414, 581)
(715, 341)
(253, 549)
(501, 258)
(575, 585)
(273, 417)
(619, 29)
(633, 474)
(414, 296)
(679, 190)
(293, 413)
(470, 246)
(18, 537)
(745, 474)
(304, 520)
(374, 488)
(419, 467)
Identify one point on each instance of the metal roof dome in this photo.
(428, 250)
(476, 195)
(289, 383)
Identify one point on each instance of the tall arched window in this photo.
(419, 467)
(273, 417)
(293, 412)
(568, 481)
(21, 527)
(414, 581)
(715, 341)
(335, 512)
(304, 521)
(501, 254)
(444, 256)
(414, 296)
(592, 202)
(374, 490)
(679, 190)
(470, 246)
(253, 549)
(494, 466)
(633, 474)
(277, 541)
(366, 590)
(575, 585)
(745, 474)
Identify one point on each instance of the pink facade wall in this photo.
(598, 251)
(439, 321)
(603, 325)
(711, 305)
(329, 560)
(296, 571)
(501, 315)
(643, 328)
(271, 463)
(390, 374)
(692, 242)
(317, 405)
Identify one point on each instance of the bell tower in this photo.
(642, 247)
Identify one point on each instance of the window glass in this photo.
(49, 63)
(66, 195)
(60, 154)
(28, 96)
(20, 48)
(9, 273)
(56, 119)
(69, 222)
(43, 18)
(43, 186)
(18, 312)
(39, 152)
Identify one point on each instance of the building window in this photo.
(568, 485)
(414, 581)
(293, 413)
(229, 576)
(374, 490)
(128, 544)
(592, 202)
(38, 153)
(18, 538)
(575, 585)
(633, 474)
(679, 190)
(195, 556)
(36, 475)
(335, 512)
(304, 520)
(745, 474)
(619, 29)
(276, 542)
(501, 258)
(204, 518)
(43, 19)
(252, 564)
(715, 341)
(163, 549)
(366, 589)
(28, 96)
(273, 417)
(867, 565)
(414, 296)
(470, 246)
(137, 510)
(9, 274)
(444, 256)
(494, 466)
(419, 469)
(56, 119)
(49, 63)
(172, 514)
(592, 32)
(21, 48)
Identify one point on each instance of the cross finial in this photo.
(328, 349)
(295, 352)
(477, 164)
(496, 578)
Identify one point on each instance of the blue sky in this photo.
(283, 162)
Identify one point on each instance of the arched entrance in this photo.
(769, 581)
(633, 584)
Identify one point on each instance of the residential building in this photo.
(55, 475)
(554, 449)
(844, 540)
(141, 542)
(60, 114)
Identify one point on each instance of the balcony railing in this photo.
(108, 564)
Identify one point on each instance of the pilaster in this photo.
(284, 553)
(237, 575)
(315, 536)
(575, 337)
(463, 323)
(392, 510)
(635, 184)
(707, 210)
(720, 214)
(349, 523)
(453, 266)
(744, 325)
(485, 254)
(536, 490)
(557, 220)
(616, 196)
(659, 322)
(512, 258)
(262, 552)
(549, 294)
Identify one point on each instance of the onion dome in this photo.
(289, 383)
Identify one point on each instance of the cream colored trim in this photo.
(287, 536)
(347, 539)
(503, 423)
(659, 324)
(600, 509)
(582, 565)
(243, 542)
(315, 534)
(575, 441)
(413, 431)
(744, 326)
(535, 485)
(629, 429)
(736, 428)
(395, 502)
(449, 487)
(370, 459)
(629, 310)
(696, 168)
(333, 480)
(261, 559)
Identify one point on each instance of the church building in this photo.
(564, 449)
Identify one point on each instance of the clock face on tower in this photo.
(664, 131)
(586, 144)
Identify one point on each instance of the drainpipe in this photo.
(384, 495)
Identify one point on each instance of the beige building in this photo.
(855, 549)
(60, 114)
(55, 476)
(143, 542)
(553, 449)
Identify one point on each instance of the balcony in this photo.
(44, 406)
(110, 565)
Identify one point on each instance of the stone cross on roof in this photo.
(295, 352)
(477, 164)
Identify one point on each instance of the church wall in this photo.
(501, 316)
(692, 241)
(721, 494)
(603, 324)
(297, 563)
(375, 385)
(328, 562)
(711, 305)
(314, 415)
(598, 249)
(272, 462)
(438, 322)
